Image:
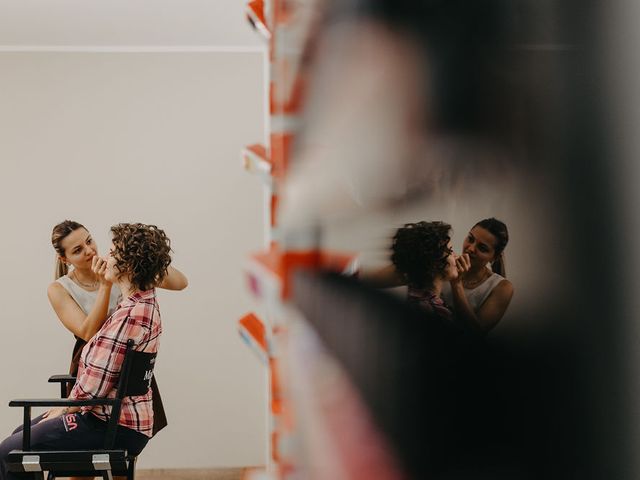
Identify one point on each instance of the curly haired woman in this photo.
(422, 255)
(137, 262)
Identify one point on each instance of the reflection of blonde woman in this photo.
(480, 295)
(83, 298)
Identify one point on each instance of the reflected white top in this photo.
(476, 296)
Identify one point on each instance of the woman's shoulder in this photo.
(502, 287)
(504, 283)
(496, 279)
(59, 295)
(494, 286)
(57, 287)
(499, 279)
(141, 305)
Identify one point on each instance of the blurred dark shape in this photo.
(450, 405)
(397, 359)
(468, 61)
(555, 394)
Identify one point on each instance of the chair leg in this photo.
(106, 475)
(51, 476)
(131, 470)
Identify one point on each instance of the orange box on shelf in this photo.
(252, 331)
(278, 266)
(255, 159)
(255, 15)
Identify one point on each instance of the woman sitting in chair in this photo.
(422, 255)
(138, 261)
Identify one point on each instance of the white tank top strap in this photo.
(478, 295)
(85, 299)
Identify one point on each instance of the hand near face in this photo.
(99, 267)
(463, 264)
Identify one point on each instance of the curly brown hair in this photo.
(420, 251)
(142, 251)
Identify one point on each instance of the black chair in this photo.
(65, 382)
(135, 379)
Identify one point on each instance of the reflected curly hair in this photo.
(142, 251)
(420, 251)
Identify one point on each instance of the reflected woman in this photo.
(423, 257)
(481, 294)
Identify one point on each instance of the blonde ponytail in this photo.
(61, 268)
(59, 233)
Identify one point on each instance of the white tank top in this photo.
(85, 299)
(476, 296)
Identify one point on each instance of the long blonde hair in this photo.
(59, 233)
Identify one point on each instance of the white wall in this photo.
(153, 137)
(25, 24)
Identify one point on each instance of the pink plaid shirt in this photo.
(137, 318)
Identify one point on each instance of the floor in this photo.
(191, 474)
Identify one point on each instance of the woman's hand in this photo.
(463, 264)
(54, 413)
(99, 267)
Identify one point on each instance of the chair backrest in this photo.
(137, 372)
(135, 380)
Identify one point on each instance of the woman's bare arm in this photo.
(386, 277)
(71, 315)
(490, 312)
(174, 280)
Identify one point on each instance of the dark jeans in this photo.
(74, 431)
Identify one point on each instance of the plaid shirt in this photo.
(430, 302)
(137, 318)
